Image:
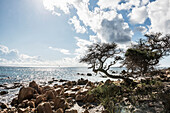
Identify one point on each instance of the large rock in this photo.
(71, 111)
(60, 103)
(46, 88)
(34, 85)
(70, 93)
(60, 110)
(90, 98)
(39, 99)
(26, 93)
(14, 101)
(44, 108)
(59, 90)
(79, 98)
(76, 88)
(23, 104)
(83, 91)
(31, 104)
(82, 81)
(50, 95)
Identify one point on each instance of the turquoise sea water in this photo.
(23, 75)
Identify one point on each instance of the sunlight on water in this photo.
(23, 75)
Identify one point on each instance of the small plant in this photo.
(109, 96)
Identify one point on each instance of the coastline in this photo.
(63, 96)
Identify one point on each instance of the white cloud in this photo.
(141, 29)
(128, 4)
(111, 4)
(77, 26)
(159, 14)
(95, 39)
(64, 51)
(144, 2)
(7, 54)
(108, 25)
(13, 57)
(82, 46)
(115, 30)
(138, 15)
(61, 4)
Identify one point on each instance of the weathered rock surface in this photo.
(50, 95)
(60, 110)
(25, 93)
(34, 85)
(82, 82)
(39, 99)
(60, 103)
(44, 108)
(14, 101)
(79, 97)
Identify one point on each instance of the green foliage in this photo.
(118, 97)
(109, 96)
(144, 56)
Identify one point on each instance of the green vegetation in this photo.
(142, 57)
(140, 61)
(117, 98)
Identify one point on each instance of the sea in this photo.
(42, 75)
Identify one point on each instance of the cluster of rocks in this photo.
(53, 99)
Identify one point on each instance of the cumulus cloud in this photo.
(77, 26)
(60, 4)
(128, 4)
(107, 25)
(138, 15)
(141, 29)
(64, 51)
(111, 4)
(82, 46)
(115, 30)
(106, 22)
(7, 54)
(159, 14)
(12, 56)
(144, 2)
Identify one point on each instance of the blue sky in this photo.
(54, 32)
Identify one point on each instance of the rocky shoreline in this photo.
(64, 96)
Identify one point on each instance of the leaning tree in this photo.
(142, 57)
(101, 57)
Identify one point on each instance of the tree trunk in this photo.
(126, 79)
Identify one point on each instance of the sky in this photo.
(57, 32)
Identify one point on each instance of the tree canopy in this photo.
(143, 56)
(98, 56)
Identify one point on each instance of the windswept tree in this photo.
(101, 57)
(144, 56)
